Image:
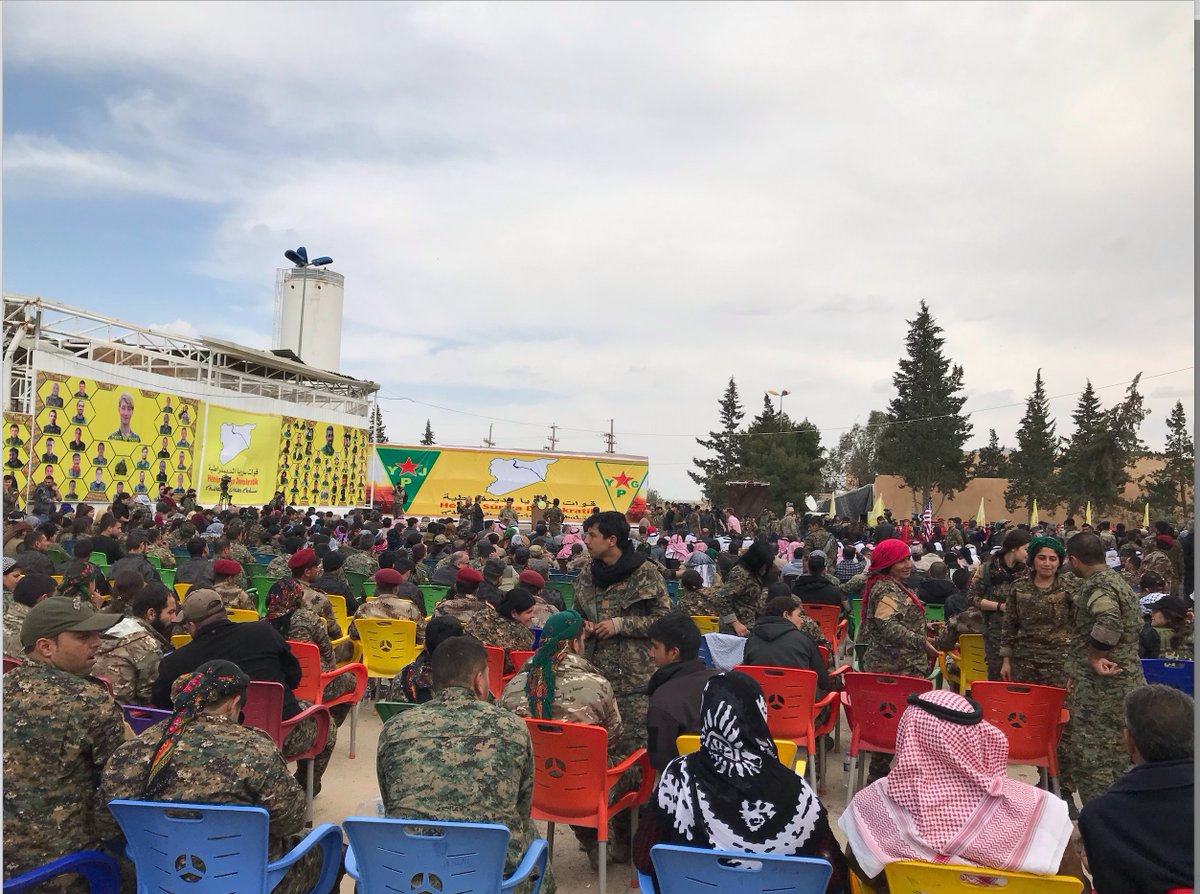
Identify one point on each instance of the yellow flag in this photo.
(980, 517)
(833, 504)
(1146, 518)
(1033, 519)
(1087, 513)
(876, 510)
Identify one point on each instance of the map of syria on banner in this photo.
(437, 479)
(244, 446)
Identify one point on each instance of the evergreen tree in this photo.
(1031, 472)
(785, 454)
(1094, 464)
(1170, 489)
(855, 461)
(925, 443)
(724, 445)
(992, 462)
(427, 438)
(375, 432)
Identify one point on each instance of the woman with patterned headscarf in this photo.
(734, 794)
(80, 581)
(202, 755)
(294, 622)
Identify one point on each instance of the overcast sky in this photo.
(573, 212)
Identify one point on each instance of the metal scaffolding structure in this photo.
(32, 324)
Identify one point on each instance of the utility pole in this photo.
(553, 437)
(488, 442)
(610, 439)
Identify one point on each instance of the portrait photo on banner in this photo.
(322, 463)
(97, 439)
(16, 450)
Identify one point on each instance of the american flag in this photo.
(927, 521)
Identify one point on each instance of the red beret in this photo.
(388, 576)
(468, 575)
(531, 577)
(226, 566)
(302, 558)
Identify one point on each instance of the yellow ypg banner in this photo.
(244, 446)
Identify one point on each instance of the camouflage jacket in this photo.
(1105, 610)
(819, 539)
(166, 558)
(705, 601)
(954, 537)
(492, 630)
(14, 617)
(235, 597)
(390, 607)
(553, 517)
(743, 593)
(278, 567)
(458, 759)
(633, 605)
(462, 607)
(894, 632)
(789, 527)
(1036, 627)
(59, 731)
(128, 657)
(215, 761)
(318, 603)
(1160, 563)
(361, 563)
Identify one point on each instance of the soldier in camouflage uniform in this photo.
(990, 589)
(159, 549)
(461, 601)
(789, 525)
(60, 727)
(483, 551)
(131, 649)
(695, 599)
(508, 515)
(1103, 666)
(362, 560)
(817, 538)
(507, 625)
(225, 574)
(305, 568)
(553, 517)
(767, 523)
(954, 536)
(744, 586)
(180, 537)
(387, 604)
(213, 759)
(29, 591)
(238, 551)
(1159, 561)
(620, 595)
(287, 611)
(457, 758)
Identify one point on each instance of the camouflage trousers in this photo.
(300, 740)
(992, 627)
(1097, 744)
(343, 684)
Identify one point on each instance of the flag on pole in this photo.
(1033, 519)
(876, 510)
(927, 521)
(1087, 513)
(833, 504)
(1146, 518)
(980, 517)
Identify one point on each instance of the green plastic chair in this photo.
(261, 584)
(356, 580)
(855, 612)
(388, 710)
(154, 560)
(935, 613)
(167, 576)
(566, 588)
(433, 594)
(368, 588)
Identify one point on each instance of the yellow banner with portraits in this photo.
(97, 440)
(16, 451)
(243, 447)
(322, 463)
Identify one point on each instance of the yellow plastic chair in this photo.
(241, 615)
(181, 590)
(339, 611)
(388, 644)
(707, 623)
(58, 579)
(911, 877)
(972, 664)
(180, 639)
(686, 744)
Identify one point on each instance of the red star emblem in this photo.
(622, 480)
(408, 466)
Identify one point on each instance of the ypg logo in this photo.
(621, 481)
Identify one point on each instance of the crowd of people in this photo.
(1056, 605)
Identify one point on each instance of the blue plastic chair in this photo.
(688, 870)
(1170, 672)
(100, 870)
(141, 719)
(207, 849)
(387, 855)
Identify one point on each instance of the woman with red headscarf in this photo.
(893, 625)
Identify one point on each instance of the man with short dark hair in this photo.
(28, 592)
(1138, 835)
(493, 575)
(196, 569)
(675, 688)
(32, 556)
(135, 559)
(457, 758)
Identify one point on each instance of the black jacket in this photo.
(134, 562)
(674, 709)
(102, 543)
(817, 588)
(195, 571)
(1138, 834)
(329, 582)
(255, 646)
(775, 642)
(934, 591)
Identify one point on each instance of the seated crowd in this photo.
(1053, 607)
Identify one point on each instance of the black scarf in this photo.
(604, 576)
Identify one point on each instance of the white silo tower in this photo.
(308, 315)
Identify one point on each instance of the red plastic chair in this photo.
(495, 670)
(792, 709)
(518, 657)
(874, 704)
(264, 710)
(571, 780)
(10, 663)
(826, 617)
(313, 681)
(1031, 718)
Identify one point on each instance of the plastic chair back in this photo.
(972, 664)
(419, 855)
(101, 872)
(141, 719)
(911, 877)
(10, 663)
(356, 579)
(495, 656)
(340, 612)
(1170, 672)
(155, 561)
(180, 639)
(388, 644)
(264, 709)
(566, 589)
(790, 693)
(241, 615)
(686, 870)
(1027, 715)
(181, 590)
(826, 617)
(569, 762)
(433, 594)
(388, 710)
(167, 576)
(707, 623)
(261, 584)
(98, 558)
(935, 613)
(874, 704)
(308, 656)
(519, 657)
(687, 743)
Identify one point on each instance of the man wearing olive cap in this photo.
(60, 727)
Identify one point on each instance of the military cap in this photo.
(59, 614)
(200, 604)
(532, 578)
(468, 575)
(303, 558)
(226, 567)
(388, 576)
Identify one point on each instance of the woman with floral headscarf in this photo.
(80, 581)
(298, 624)
(734, 794)
(202, 755)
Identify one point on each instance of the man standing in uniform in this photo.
(1103, 666)
(60, 727)
(620, 595)
(817, 538)
(508, 515)
(553, 517)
